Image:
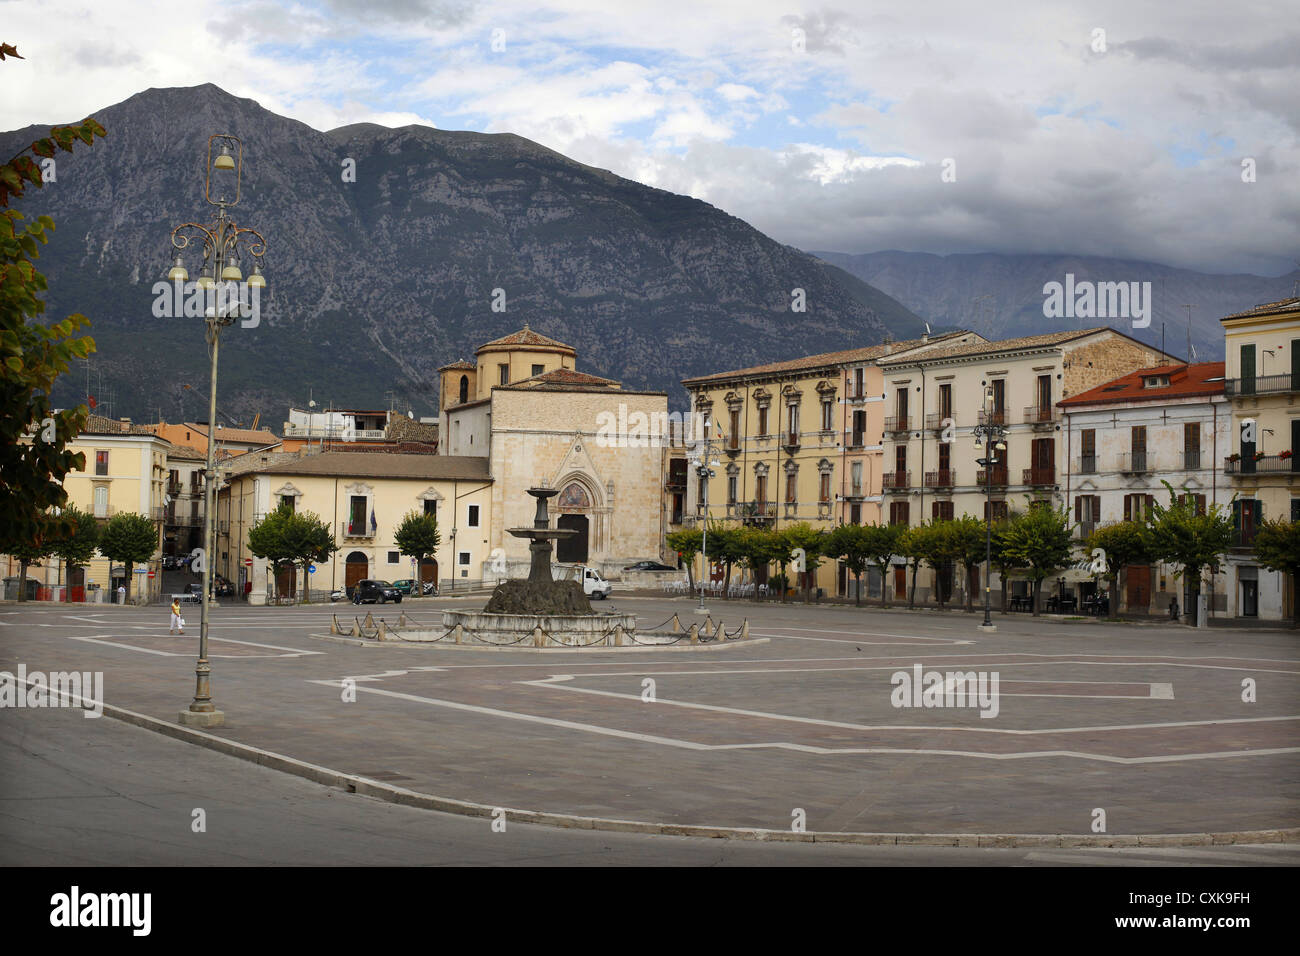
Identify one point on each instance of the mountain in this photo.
(373, 284)
(944, 289)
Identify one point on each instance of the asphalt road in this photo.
(97, 792)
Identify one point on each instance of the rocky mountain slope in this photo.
(375, 283)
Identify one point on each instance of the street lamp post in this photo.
(220, 275)
(992, 436)
(704, 469)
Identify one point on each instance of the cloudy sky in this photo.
(1104, 128)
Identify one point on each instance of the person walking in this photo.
(177, 620)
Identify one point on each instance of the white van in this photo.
(593, 585)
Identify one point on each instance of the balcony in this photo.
(1266, 465)
(1040, 415)
(1244, 537)
(1037, 477)
(934, 422)
(183, 521)
(896, 423)
(1261, 385)
(1192, 460)
(790, 440)
(939, 479)
(756, 512)
(356, 529)
(1087, 465)
(856, 440)
(896, 480)
(999, 477)
(996, 417)
(1134, 463)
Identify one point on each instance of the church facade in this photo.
(540, 422)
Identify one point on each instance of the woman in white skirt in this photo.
(177, 620)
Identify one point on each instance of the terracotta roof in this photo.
(460, 366)
(566, 379)
(1268, 308)
(349, 464)
(867, 354)
(1004, 345)
(401, 429)
(244, 435)
(525, 337)
(99, 425)
(1185, 381)
(186, 453)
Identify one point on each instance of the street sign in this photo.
(311, 569)
(143, 571)
(150, 574)
(248, 562)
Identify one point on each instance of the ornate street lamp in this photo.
(219, 277)
(991, 435)
(704, 469)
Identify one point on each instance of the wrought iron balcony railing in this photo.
(939, 479)
(1261, 385)
(1267, 465)
(999, 477)
(997, 416)
(1134, 463)
(1039, 476)
(1040, 415)
(896, 423)
(896, 480)
(1087, 465)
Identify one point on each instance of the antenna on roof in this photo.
(1188, 307)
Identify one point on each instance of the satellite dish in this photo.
(312, 403)
(927, 328)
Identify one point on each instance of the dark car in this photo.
(649, 566)
(375, 592)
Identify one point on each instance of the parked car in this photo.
(649, 566)
(406, 585)
(375, 592)
(339, 594)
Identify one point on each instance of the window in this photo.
(472, 519)
(855, 514)
(945, 400)
(898, 512)
(464, 389)
(101, 463)
(731, 489)
(824, 492)
(462, 557)
(1088, 455)
(1155, 381)
(762, 420)
(941, 511)
(900, 460)
(1087, 510)
(1044, 396)
(901, 407)
(792, 421)
(394, 557)
(859, 427)
(357, 515)
(999, 396)
(538, 369)
(760, 490)
(859, 383)
(790, 489)
(1192, 445)
(101, 502)
(733, 440)
(289, 501)
(828, 416)
(999, 510)
(855, 480)
(1138, 507)
(503, 372)
(431, 506)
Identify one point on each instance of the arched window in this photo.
(464, 389)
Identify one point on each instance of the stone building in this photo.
(935, 397)
(524, 407)
(1262, 351)
(1126, 438)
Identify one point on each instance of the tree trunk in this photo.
(22, 580)
(1002, 582)
(306, 583)
(726, 582)
(129, 566)
(1038, 587)
(884, 585)
(857, 589)
(911, 597)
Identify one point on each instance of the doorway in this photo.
(1250, 598)
(428, 571)
(572, 549)
(1138, 586)
(356, 569)
(286, 582)
(900, 582)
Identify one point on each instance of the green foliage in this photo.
(880, 542)
(932, 543)
(1039, 540)
(1194, 542)
(813, 541)
(1277, 546)
(418, 536)
(687, 543)
(33, 455)
(292, 537)
(848, 543)
(78, 534)
(129, 538)
(1123, 545)
(724, 545)
(968, 544)
(26, 554)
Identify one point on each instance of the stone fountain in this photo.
(551, 613)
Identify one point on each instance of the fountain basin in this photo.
(540, 630)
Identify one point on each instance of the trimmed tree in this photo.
(33, 455)
(1193, 541)
(781, 552)
(287, 537)
(912, 544)
(754, 546)
(933, 544)
(687, 543)
(29, 554)
(76, 544)
(1040, 539)
(1277, 546)
(129, 538)
(880, 542)
(724, 549)
(418, 537)
(1002, 560)
(1123, 544)
(813, 541)
(848, 543)
(968, 544)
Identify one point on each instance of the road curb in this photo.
(388, 793)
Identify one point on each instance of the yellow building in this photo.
(1262, 353)
(800, 440)
(362, 497)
